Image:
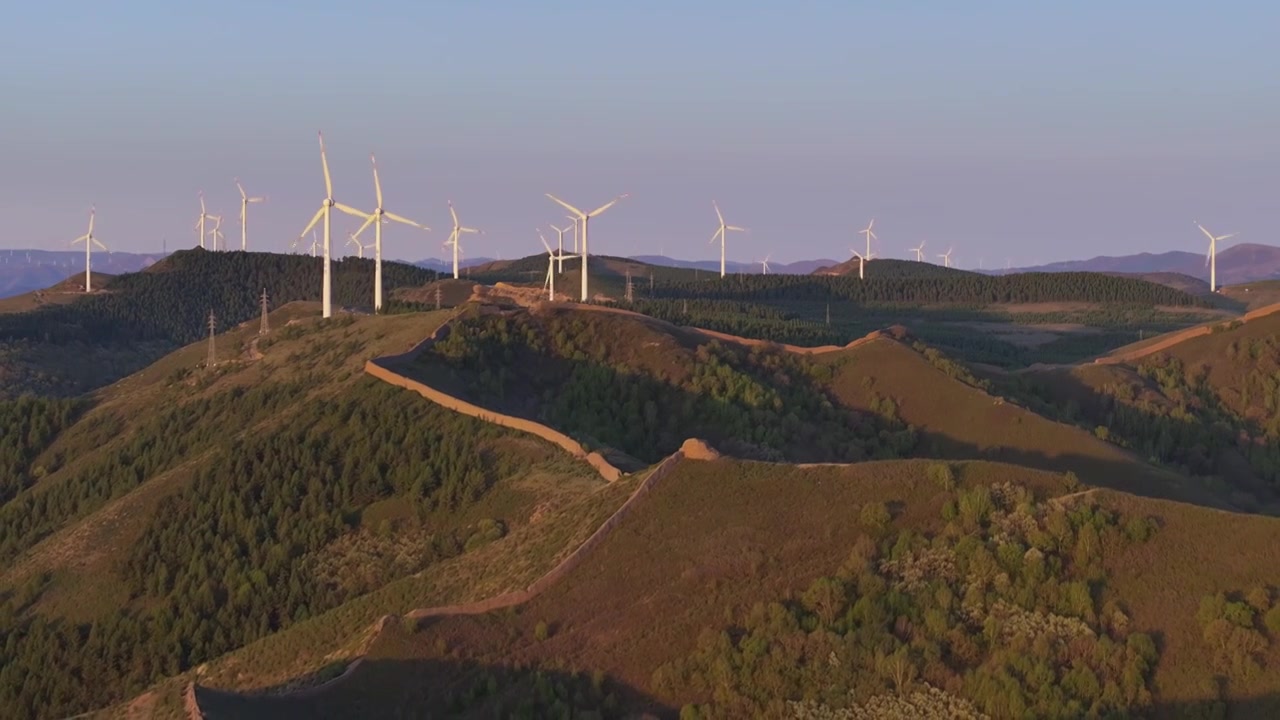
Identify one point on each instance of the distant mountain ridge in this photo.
(1245, 262)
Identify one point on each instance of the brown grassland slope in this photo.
(717, 541)
(66, 291)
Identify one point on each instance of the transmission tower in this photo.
(265, 327)
(438, 295)
(828, 314)
(650, 283)
(630, 295)
(213, 326)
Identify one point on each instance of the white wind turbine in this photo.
(574, 219)
(721, 232)
(326, 206)
(560, 231)
(919, 251)
(204, 215)
(216, 232)
(870, 236)
(245, 201)
(552, 258)
(354, 239)
(1212, 258)
(378, 218)
(458, 230)
(946, 257)
(764, 264)
(89, 241)
(584, 217)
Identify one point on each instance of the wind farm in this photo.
(952, 415)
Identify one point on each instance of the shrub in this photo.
(540, 631)
(875, 515)
(1272, 620)
(941, 474)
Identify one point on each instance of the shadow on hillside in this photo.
(1212, 456)
(409, 688)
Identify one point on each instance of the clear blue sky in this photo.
(1032, 131)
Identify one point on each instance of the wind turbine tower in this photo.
(764, 264)
(458, 230)
(584, 217)
(560, 240)
(946, 257)
(377, 218)
(245, 201)
(216, 232)
(919, 251)
(552, 257)
(89, 241)
(862, 263)
(324, 212)
(354, 238)
(1212, 258)
(721, 233)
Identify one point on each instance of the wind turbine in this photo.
(584, 217)
(89, 241)
(919, 251)
(574, 220)
(1212, 258)
(870, 236)
(946, 257)
(354, 239)
(245, 201)
(862, 262)
(326, 206)
(764, 264)
(560, 241)
(216, 232)
(552, 258)
(377, 218)
(721, 233)
(458, 230)
(204, 215)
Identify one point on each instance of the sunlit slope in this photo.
(734, 584)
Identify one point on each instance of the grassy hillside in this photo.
(743, 589)
(642, 387)
(1207, 405)
(70, 347)
(191, 511)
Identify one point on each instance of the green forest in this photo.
(27, 426)
(238, 553)
(1003, 613)
(561, 369)
(959, 288)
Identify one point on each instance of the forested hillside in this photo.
(621, 382)
(137, 317)
(956, 288)
(256, 541)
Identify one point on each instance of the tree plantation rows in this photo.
(994, 615)
(594, 376)
(962, 288)
(239, 553)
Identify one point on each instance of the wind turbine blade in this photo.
(720, 217)
(544, 243)
(82, 238)
(607, 205)
(258, 199)
(735, 227)
(470, 230)
(351, 211)
(241, 189)
(98, 242)
(403, 220)
(715, 235)
(93, 211)
(368, 221)
(202, 210)
(453, 213)
(314, 219)
(1225, 237)
(567, 206)
(377, 184)
(324, 162)
(1206, 232)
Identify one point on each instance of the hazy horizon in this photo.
(1036, 134)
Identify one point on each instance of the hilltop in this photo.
(81, 342)
(734, 589)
